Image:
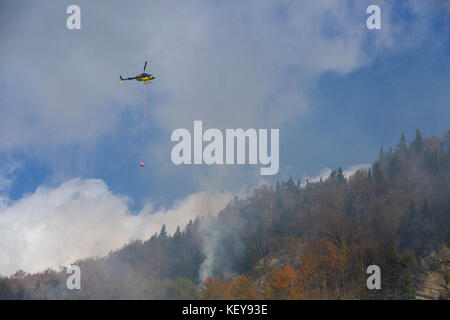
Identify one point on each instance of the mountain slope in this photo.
(290, 241)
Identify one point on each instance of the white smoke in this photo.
(325, 173)
(53, 227)
(210, 239)
(213, 235)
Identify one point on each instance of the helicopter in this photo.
(143, 77)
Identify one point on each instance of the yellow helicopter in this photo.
(143, 77)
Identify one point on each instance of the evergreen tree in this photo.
(406, 289)
(177, 235)
(332, 177)
(425, 208)
(163, 232)
(401, 145)
(349, 206)
(446, 141)
(377, 172)
(390, 153)
(418, 142)
(381, 154)
(340, 178)
(395, 166)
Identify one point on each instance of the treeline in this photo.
(289, 241)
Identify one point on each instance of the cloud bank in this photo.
(213, 61)
(81, 218)
(230, 64)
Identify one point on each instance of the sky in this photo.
(70, 133)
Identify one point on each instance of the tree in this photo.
(163, 232)
(332, 176)
(323, 270)
(340, 178)
(425, 211)
(406, 289)
(381, 154)
(215, 289)
(242, 289)
(396, 165)
(377, 172)
(446, 141)
(349, 207)
(401, 145)
(177, 236)
(180, 289)
(418, 142)
(285, 283)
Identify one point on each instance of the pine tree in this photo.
(381, 154)
(390, 153)
(424, 212)
(406, 289)
(418, 142)
(377, 172)
(446, 141)
(177, 235)
(349, 206)
(395, 167)
(163, 232)
(401, 145)
(340, 178)
(332, 176)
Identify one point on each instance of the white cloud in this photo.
(80, 218)
(7, 170)
(213, 61)
(230, 64)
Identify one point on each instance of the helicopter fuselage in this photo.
(145, 77)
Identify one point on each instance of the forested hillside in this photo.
(289, 241)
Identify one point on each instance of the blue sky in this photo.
(354, 114)
(336, 90)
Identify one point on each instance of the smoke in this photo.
(325, 173)
(220, 255)
(221, 245)
(210, 238)
(54, 227)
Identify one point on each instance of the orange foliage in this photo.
(285, 283)
(242, 289)
(239, 289)
(215, 289)
(324, 268)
